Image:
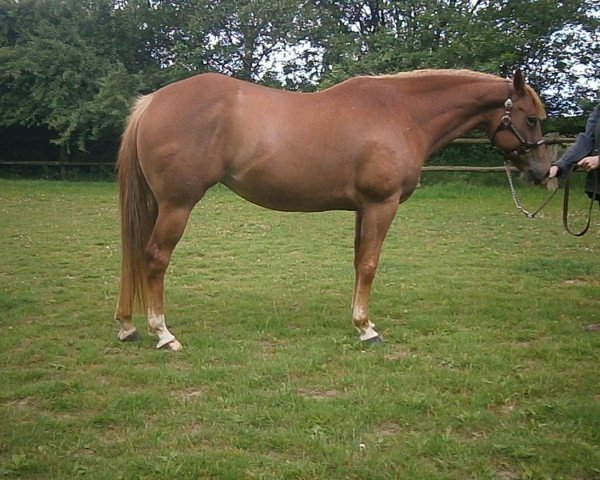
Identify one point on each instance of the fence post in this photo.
(553, 150)
(63, 159)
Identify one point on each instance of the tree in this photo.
(384, 36)
(242, 38)
(73, 67)
(55, 64)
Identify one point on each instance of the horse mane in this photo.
(537, 101)
(539, 105)
(430, 72)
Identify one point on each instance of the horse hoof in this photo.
(132, 337)
(373, 341)
(172, 346)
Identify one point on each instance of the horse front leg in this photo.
(372, 224)
(168, 229)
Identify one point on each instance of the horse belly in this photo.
(293, 186)
(284, 161)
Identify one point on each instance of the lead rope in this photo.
(516, 198)
(566, 205)
(565, 216)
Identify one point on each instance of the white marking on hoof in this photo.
(165, 341)
(367, 332)
(173, 346)
(123, 334)
(158, 326)
(366, 328)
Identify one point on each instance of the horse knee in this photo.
(366, 269)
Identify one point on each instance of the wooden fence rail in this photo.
(553, 140)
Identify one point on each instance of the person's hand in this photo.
(553, 171)
(589, 163)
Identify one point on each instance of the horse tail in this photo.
(138, 212)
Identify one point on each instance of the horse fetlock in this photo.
(360, 317)
(156, 322)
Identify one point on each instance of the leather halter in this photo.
(506, 123)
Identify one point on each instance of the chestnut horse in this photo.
(357, 146)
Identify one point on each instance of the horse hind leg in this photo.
(124, 311)
(167, 231)
(127, 332)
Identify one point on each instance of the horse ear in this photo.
(519, 83)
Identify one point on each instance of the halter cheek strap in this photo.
(506, 123)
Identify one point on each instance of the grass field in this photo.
(486, 371)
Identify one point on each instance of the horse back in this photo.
(282, 150)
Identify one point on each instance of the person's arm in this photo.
(579, 150)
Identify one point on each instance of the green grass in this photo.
(486, 372)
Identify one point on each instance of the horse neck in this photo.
(446, 107)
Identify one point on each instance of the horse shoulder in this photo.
(385, 169)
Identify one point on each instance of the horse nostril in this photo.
(533, 178)
(537, 176)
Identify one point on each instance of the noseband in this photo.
(506, 123)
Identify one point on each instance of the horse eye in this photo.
(532, 121)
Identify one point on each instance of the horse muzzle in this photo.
(535, 175)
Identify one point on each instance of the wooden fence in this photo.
(554, 143)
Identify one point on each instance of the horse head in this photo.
(515, 130)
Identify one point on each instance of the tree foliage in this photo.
(544, 37)
(73, 66)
